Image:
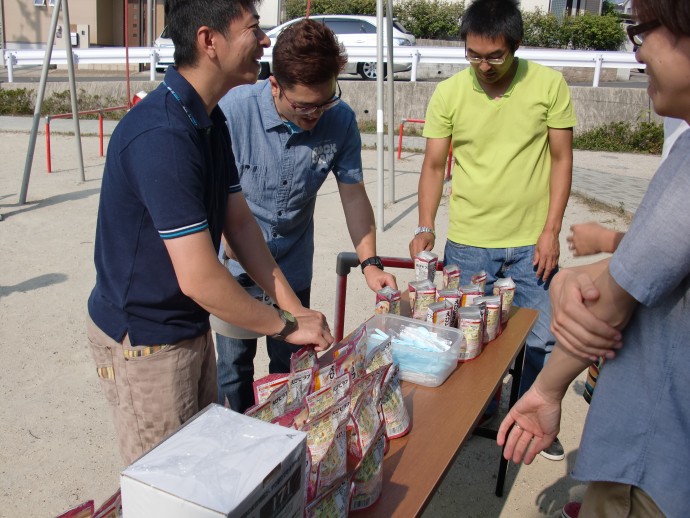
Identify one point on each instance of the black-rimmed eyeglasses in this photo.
(636, 33)
(312, 108)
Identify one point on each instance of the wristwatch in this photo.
(420, 230)
(376, 261)
(290, 324)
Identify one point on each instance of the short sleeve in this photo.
(439, 118)
(561, 113)
(164, 168)
(654, 256)
(348, 163)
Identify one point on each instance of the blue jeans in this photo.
(530, 292)
(236, 364)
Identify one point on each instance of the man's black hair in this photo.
(184, 17)
(493, 19)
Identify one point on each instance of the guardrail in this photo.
(597, 60)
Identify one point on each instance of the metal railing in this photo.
(99, 112)
(597, 60)
(401, 129)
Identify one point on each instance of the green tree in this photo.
(432, 19)
(543, 30)
(298, 8)
(593, 32)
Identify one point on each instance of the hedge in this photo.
(440, 19)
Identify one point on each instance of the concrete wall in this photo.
(593, 106)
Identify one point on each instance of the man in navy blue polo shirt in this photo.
(170, 188)
(288, 133)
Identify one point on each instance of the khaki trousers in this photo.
(152, 389)
(613, 500)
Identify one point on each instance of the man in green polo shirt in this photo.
(510, 123)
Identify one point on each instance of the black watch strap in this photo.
(376, 261)
(290, 324)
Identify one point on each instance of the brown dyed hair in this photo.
(672, 14)
(307, 53)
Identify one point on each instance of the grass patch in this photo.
(615, 137)
(22, 101)
(621, 137)
(599, 206)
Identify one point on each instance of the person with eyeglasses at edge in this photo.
(288, 133)
(170, 188)
(634, 309)
(509, 122)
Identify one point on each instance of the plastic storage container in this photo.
(418, 366)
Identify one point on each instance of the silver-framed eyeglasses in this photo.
(313, 108)
(636, 33)
(476, 60)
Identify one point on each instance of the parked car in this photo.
(352, 31)
(164, 41)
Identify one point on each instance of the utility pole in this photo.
(2, 31)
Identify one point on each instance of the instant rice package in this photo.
(368, 478)
(334, 502)
(394, 411)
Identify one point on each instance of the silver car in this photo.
(164, 41)
(352, 30)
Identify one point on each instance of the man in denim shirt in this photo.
(287, 134)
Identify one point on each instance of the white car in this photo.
(164, 41)
(352, 30)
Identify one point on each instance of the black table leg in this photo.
(514, 390)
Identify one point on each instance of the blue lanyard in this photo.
(186, 110)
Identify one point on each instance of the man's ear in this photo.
(204, 41)
(275, 88)
(517, 46)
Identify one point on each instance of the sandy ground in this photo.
(58, 441)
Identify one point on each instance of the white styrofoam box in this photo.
(418, 366)
(220, 463)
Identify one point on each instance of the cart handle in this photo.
(344, 263)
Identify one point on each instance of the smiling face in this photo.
(668, 67)
(241, 49)
(302, 96)
(478, 46)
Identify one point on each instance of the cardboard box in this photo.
(220, 463)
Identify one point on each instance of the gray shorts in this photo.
(152, 389)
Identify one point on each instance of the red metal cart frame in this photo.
(344, 264)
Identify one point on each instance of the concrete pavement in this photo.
(54, 414)
(615, 179)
